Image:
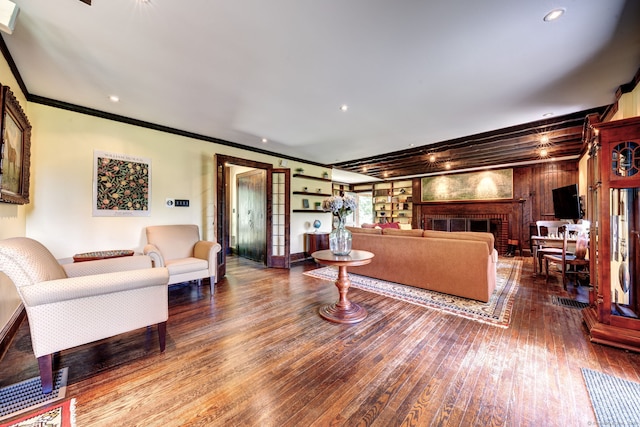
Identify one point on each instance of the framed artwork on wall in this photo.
(15, 150)
(121, 185)
(472, 186)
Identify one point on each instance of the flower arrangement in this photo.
(340, 206)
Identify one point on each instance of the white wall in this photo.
(13, 218)
(60, 215)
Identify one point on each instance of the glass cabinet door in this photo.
(624, 240)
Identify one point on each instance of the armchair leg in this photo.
(212, 282)
(162, 335)
(46, 373)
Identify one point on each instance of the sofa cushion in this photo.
(364, 230)
(463, 235)
(409, 233)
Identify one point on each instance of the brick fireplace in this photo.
(497, 224)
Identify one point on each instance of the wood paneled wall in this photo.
(532, 200)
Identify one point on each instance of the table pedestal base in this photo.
(335, 313)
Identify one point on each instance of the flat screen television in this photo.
(566, 202)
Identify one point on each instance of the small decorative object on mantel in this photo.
(299, 170)
(340, 237)
(325, 175)
(316, 225)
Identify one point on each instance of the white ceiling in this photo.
(411, 72)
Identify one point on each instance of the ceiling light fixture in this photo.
(264, 140)
(114, 98)
(554, 14)
(344, 107)
(547, 115)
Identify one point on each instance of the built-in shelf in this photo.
(317, 178)
(308, 193)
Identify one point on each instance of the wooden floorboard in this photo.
(256, 353)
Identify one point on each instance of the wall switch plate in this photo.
(169, 203)
(182, 203)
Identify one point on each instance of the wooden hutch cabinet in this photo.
(613, 317)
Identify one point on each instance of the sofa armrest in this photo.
(153, 252)
(89, 286)
(111, 265)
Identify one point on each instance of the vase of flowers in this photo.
(340, 237)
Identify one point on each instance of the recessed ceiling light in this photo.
(114, 98)
(547, 115)
(264, 140)
(344, 107)
(554, 14)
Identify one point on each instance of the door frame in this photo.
(223, 196)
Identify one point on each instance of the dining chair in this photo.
(548, 228)
(571, 263)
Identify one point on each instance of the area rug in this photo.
(27, 395)
(614, 400)
(496, 312)
(61, 414)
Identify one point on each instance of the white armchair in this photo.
(179, 248)
(74, 304)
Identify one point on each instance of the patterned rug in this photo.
(62, 414)
(496, 312)
(614, 400)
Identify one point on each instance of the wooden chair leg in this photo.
(162, 335)
(546, 269)
(46, 373)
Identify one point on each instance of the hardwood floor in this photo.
(258, 354)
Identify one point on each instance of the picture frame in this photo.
(121, 185)
(305, 203)
(15, 150)
(472, 186)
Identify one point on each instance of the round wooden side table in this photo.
(343, 311)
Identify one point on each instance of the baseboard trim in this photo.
(11, 329)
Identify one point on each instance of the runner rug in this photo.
(614, 400)
(496, 312)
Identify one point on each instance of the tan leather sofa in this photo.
(455, 263)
